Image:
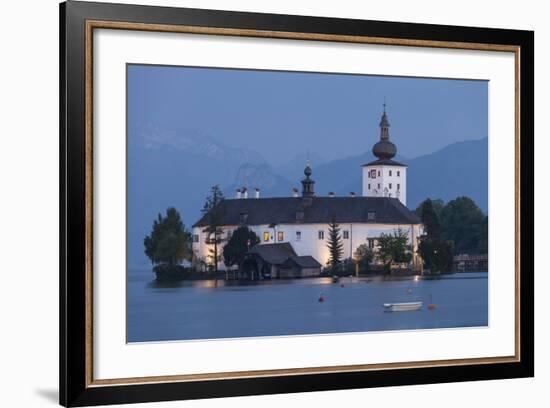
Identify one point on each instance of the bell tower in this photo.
(384, 177)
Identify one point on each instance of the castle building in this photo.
(293, 230)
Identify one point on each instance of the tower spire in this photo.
(384, 149)
(307, 182)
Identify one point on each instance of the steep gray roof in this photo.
(306, 261)
(274, 254)
(316, 210)
(387, 162)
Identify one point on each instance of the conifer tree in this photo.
(214, 214)
(334, 244)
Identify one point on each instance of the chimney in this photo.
(294, 192)
(331, 194)
(257, 192)
(238, 193)
(352, 194)
(244, 192)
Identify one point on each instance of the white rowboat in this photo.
(402, 307)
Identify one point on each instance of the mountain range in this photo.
(178, 168)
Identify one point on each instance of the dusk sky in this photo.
(281, 114)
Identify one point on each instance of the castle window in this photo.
(390, 186)
(398, 185)
(280, 236)
(371, 215)
(298, 235)
(373, 174)
(378, 173)
(369, 186)
(378, 186)
(346, 234)
(266, 236)
(390, 172)
(398, 173)
(195, 237)
(321, 234)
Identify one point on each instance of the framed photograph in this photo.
(256, 204)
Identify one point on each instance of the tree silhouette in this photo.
(334, 244)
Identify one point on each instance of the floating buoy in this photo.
(341, 285)
(431, 305)
(321, 297)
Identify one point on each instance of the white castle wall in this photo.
(309, 242)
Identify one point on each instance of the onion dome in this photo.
(384, 149)
(308, 183)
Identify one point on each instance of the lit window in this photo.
(390, 172)
(196, 238)
(266, 236)
(321, 234)
(390, 186)
(346, 234)
(371, 215)
(298, 235)
(280, 236)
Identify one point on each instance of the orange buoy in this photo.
(431, 305)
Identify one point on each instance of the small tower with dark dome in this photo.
(308, 183)
(384, 177)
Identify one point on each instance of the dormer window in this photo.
(371, 215)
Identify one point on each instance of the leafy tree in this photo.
(169, 241)
(483, 247)
(238, 245)
(394, 248)
(437, 254)
(214, 215)
(363, 255)
(464, 224)
(334, 244)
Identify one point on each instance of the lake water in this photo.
(210, 309)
